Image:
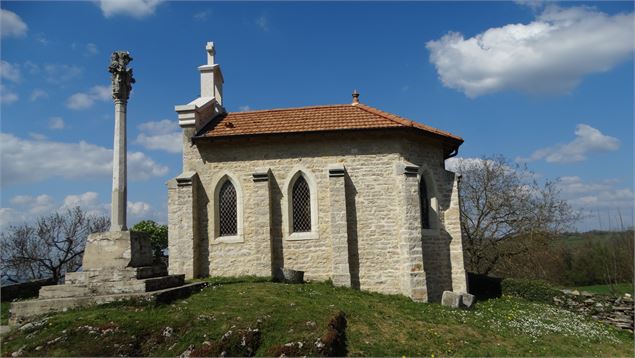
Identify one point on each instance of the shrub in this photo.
(532, 290)
(158, 235)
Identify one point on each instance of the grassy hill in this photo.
(378, 325)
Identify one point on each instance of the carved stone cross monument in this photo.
(122, 81)
(117, 264)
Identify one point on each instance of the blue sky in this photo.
(549, 85)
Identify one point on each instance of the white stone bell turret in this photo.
(210, 102)
(211, 76)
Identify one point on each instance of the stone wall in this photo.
(614, 310)
(371, 204)
(24, 289)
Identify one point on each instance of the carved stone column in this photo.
(341, 274)
(122, 81)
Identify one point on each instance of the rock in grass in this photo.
(292, 276)
(451, 299)
(457, 299)
(467, 300)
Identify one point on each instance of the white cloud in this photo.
(9, 72)
(201, 15)
(459, 164)
(91, 49)
(32, 67)
(134, 8)
(244, 108)
(59, 74)
(37, 136)
(11, 25)
(601, 203)
(7, 96)
(36, 205)
(88, 201)
(588, 140)
(56, 123)
(10, 216)
(41, 39)
(37, 94)
(25, 160)
(549, 55)
(532, 4)
(161, 135)
(26, 208)
(139, 208)
(263, 23)
(454, 164)
(82, 100)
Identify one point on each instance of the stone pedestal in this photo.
(117, 249)
(115, 262)
(117, 265)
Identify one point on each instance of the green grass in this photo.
(4, 312)
(378, 325)
(620, 289)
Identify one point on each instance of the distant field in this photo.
(593, 236)
(620, 288)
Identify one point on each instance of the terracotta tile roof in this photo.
(311, 119)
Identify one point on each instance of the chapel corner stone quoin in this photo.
(344, 192)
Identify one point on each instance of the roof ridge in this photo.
(404, 121)
(393, 117)
(292, 108)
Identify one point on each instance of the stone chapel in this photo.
(344, 192)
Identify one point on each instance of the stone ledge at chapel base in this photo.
(343, 192)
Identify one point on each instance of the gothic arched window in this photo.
(424, 199)
(227, 210)
(301, 205)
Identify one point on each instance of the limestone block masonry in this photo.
(366, 217)
(182, 218)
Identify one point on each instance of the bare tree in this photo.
(49, 247)
(502, 202)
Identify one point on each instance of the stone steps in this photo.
(59, 291)
(110, 288)
(116, 274)
(21, 311)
